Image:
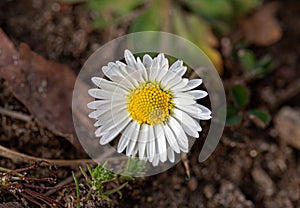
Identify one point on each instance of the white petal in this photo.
(96, 104)
(97, 124)
(178, 68)
(171, 155)
(97, 93)
(155, 160)
(95, 114)
(154, 69)
(170, 79)
(106, 138)
(182, 139)
(177, 64)
(183, 101)
(189, 124)
(205, 117)
(180, 85)
(171, 138)
(184, 117)
(151, 144)
(141, 68)
(147, 61)
(175, 81)
(192, 110)
(181, 71)
(129, 58)
(121, 64)
(134, 151)
(112, 70)
(133, 138)
(161, 74)
(105, 119)
(103, 94)
(101, 130)
(107, 114)
(183, 95)
(191, 85)
(168, 76)
(114, 120)
(107, 85)
(123, 81)
(106, 104)
(204, 109)
(136, 77)
(161, 142)
(190, 131)
(142, 140)
(124, 140)
(197, 94)
(164, 64)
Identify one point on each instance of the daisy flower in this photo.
(150, 105)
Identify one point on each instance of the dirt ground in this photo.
(251, 167)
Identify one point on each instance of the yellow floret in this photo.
(150, 104)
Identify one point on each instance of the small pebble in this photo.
(192, 184)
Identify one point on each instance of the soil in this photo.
(251, 166)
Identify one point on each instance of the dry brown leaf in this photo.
(262, 28)
(43, 86)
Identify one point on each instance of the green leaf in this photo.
(117, 189)
(261, 115)
(240, 96)
(150, 20)
(247, 59)
(198, 31)
(112, 11)
(264, 65)
(233, 120)
(221, 14)
(77, 189)
(232, 117)
(243, 7)
(208, 9)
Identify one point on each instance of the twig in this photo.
(292, 90)
(16, 115)
(20, 157)
(63, 183)
(185, 161)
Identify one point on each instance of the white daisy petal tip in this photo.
(92, 92)
(150, 105)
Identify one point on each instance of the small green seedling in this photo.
(253, 67)
(237, 111)
(97, 178)
(135, 167)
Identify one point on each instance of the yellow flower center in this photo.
(150, 104)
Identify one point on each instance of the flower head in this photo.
(150, 105)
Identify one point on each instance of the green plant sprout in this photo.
(237, 111)
(97, 178)
(134, 166)
(77, 190)
(253, 67)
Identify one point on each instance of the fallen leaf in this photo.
(262, 28)
(44, 87)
